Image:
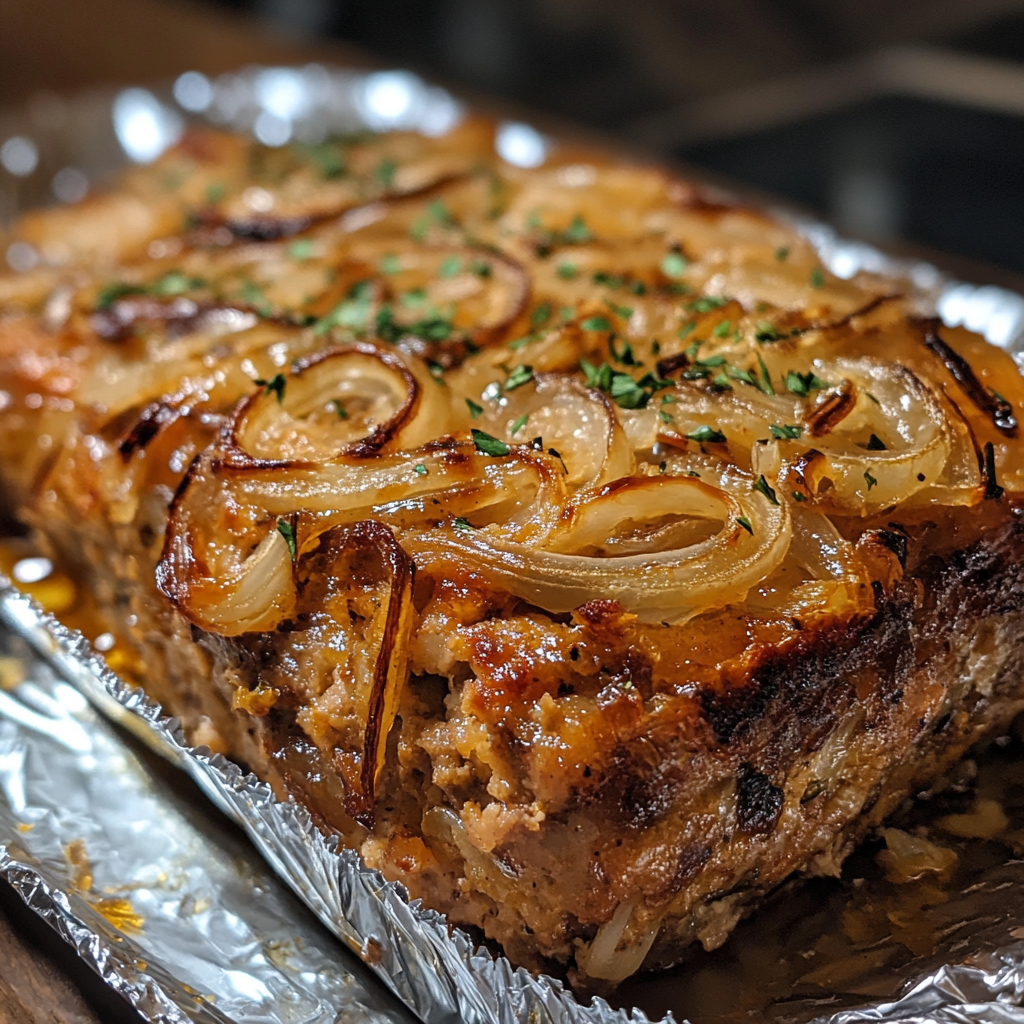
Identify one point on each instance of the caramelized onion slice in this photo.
(355, 399)
(893, 442)
(227, 589)
(675, 584)
(358, 589)
(577, 422)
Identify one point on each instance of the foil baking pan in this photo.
(175, 910)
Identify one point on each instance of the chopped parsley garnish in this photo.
(519, 424)
(596, 323)
(785, 431)
(274, 386)
(414, 298)
(705, 435)
(436, 371)
(688, 328)
(390, 264)
(488, 445)
(339, 408)
(385, 172)
(518, 377)
(458, 523)
(435, 214)
(766, 489)
(722, 328)
(765, 332)
(474, 409)
(804, 383)
(622, 387)
(626, 356)
(420, 469)
(112, 292)
(352, 312)
(817, 278)
(328, 158)
(450, 266)
(521, 342)
(608, 280)
(174, 282)
(625, 312)
(797, 496)
(875, 444)
(301, 249)
(745, 523)
(541, 315)
(707, 303)
(287, 530)
(214, 193)
(577, 233)
(567, 271)
(782, 253)
(673, 264)
(766, 378)
(871, 481)
(481, 268)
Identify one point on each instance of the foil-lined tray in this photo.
(174, 909)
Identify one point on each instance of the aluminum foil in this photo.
(170, 905)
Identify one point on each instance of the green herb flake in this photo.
(475, 411)
(215, 193)
(274, 386)
(782, 253)
(112, 292)
(785, 431)
(450, 266)
(522, 342)
(541, 315)
(518, 377)
(688, 328)
(339, 408)
(797, 496)
(577, 233)
(766, 378)
(300, 250)
(875, 444)
(765, 488)
(817, 278)
(174, 282)
(481, 268)
(722, 328)
(488, 445)
(871, 481)
(458, 523)
(519, 424)
(420, 469)
(625, 312)
(706, 435)
(673, 265)
(707, 303)
(287, 530)
(765, 332)
(626, 357)
(567, 271)
(385, 172)
(390, 264)
(596, 323)
(804, 383)
(745, 523)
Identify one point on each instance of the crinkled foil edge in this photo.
(118, 971)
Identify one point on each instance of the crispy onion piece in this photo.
(578, 422)
(354, 399)
(357, 586)
(895, 440)
(223, 588)
(672, 584)
(225, 514)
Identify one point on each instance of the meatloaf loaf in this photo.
(570, 541)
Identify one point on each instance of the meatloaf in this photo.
(569, 540)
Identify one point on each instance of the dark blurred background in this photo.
(892, 118)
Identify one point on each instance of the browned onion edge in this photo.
(235, 457)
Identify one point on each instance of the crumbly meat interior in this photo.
(569, 541)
